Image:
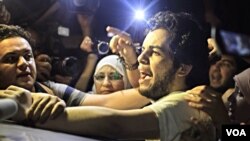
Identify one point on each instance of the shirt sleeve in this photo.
(71, 96)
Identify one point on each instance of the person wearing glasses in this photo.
(110, 76)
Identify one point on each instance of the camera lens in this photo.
(67, 66)
(103, 47)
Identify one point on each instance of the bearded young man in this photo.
(174, 58)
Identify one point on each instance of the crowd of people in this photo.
(179, 87)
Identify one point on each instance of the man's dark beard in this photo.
(160, 88)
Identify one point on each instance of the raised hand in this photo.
(87, 44)
(206, 99)
(122, 43)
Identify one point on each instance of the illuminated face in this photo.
(156, 65)
(221, 73)
(17, 65)
(108, 80)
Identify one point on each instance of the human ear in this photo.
(184, 70)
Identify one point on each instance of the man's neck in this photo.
(179, 86)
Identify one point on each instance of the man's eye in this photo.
(28, 57)
(142, 48)
(156, 53)
(226, 64)
(11, 59)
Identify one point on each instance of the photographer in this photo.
(56, 69)
(93, 50)
(119, 44)
(43, 64)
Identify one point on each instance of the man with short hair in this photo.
(18, 71)
(174, 58)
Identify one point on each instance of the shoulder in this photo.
(40, 87)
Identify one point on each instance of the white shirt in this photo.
(174, 115)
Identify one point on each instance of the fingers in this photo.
(54, 108)
(86, 44)
(119, 39)
(22, 95)
(196, 105)
(37, 108)
(33, 108)
(45, 114)
(3, 94)
(204, 92)
(46, 107)
(121, 34)
(197, 98)
(58, 109)
(114, 44)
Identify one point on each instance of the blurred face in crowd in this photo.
(222, 72)
(108, 80)
(17, 65)
(155, 65)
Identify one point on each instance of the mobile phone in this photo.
(231, 42)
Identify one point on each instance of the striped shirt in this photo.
(70, 95)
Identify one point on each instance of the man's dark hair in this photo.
(8, 31)
(187, 42)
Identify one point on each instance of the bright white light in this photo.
(139, 14)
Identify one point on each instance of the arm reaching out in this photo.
(123, 100)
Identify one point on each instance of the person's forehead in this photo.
(228, 58)
(14, 44)
(156, 37)
(106, 68)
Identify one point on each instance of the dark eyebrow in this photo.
(157, 47)
(152, 47)
(10, 53)
(20, 51)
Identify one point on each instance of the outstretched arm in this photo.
(123, 100)
(107, 123)
(36, 107)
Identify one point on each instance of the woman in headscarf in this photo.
(241, 97)
(110, 76)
